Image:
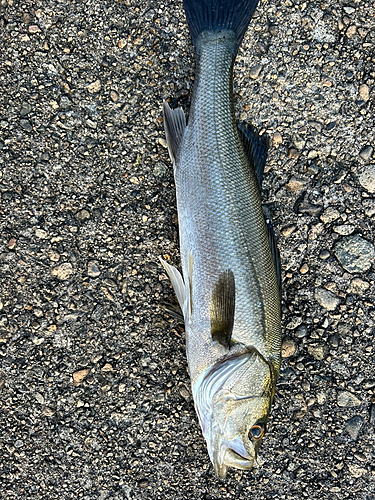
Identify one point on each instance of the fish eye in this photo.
(257, 431)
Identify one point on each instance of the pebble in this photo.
(107, 368)
(114, 95)
(97, 313)
(326, 299)
(2, 379)
(340, 368)
(353, 426)
(184, 391)
(295, 184)
(334, 340)
(366, 152)
(34, 28)
(83, 215)
(255, 71)
(39, 397)
(48, 412)
(63, 272)
(12, 243)
(356, 471)
(318, 352)
(346, 399)
(54, 256)
(25, 109)
(354, 253)
(160, 169)
(65, 102)
(369, 206)
(93, 269)
(304, 269)
(287, 231)
(367, 178)
(293, 153)
(80, 375)
(94, 87)
(26, 125)
(359, 286)
(294, 322)
(364, 92)
(288, 348)
(301, 332)
(277, 139)
(324, 254)
(41, 233)
(344, 229)
(330, 214)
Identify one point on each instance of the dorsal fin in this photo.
(275, 251)
(174, 126)
(256, 148)
(222, 307)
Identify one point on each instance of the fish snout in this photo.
(233, 454)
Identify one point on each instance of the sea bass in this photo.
(229, 293)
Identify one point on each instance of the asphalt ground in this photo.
(94, 389)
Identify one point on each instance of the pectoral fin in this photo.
(177, 282)
(222, 308)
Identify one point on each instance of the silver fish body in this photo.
(222, 228)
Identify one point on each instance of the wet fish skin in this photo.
(222, 229)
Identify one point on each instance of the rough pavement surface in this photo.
(95, 395)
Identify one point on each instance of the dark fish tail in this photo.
(218, 15)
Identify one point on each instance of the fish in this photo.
(229, 289)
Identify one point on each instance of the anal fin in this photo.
(222, 307)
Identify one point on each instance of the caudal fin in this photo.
(216, 15)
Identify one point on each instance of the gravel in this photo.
(95, 394)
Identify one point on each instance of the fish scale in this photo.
(228, 267)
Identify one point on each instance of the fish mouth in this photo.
(232, 459)
(234, 455)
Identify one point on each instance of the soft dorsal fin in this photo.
(174, 126)
(275, 251)
(222, 308)
(256, 148)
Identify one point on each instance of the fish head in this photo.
(233, 403)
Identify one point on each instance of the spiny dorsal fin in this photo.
(174, 126)
(222, 308)
(256, 148)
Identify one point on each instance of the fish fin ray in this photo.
(177, 282)
(275, 251)
(189, 298)
(256, 148)
(173, 310)
(219, 15)
(174, 126)
(222, 308)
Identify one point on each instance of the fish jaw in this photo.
(231, 454)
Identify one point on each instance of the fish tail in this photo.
(217, 15)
